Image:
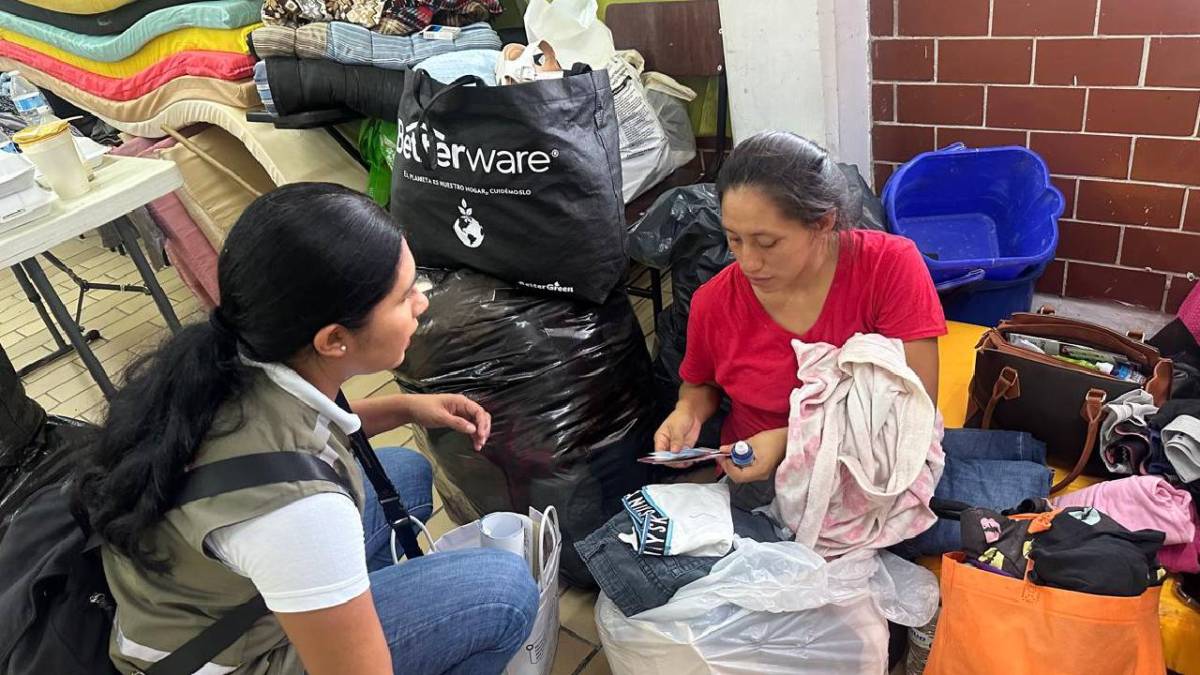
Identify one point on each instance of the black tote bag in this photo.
(521, 182)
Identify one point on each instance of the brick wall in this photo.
(1107, 91)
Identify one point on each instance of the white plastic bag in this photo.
(645, 149)
(667, 97)
(773, 609)
(574, 29)
(543, 547)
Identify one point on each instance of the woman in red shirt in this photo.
(800, 274)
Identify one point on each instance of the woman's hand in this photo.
(451, 411)
(770, 447)
(679, 431)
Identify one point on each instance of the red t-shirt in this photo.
(881, 285)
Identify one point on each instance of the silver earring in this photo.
(343, 347)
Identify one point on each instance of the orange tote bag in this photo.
(996, 625)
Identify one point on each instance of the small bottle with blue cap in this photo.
(741, 454)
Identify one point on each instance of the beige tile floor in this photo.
(130, 325)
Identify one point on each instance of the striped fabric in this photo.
(354, 45)
(306, 42)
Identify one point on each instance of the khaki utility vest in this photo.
(158, 613)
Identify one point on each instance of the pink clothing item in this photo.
(187, 247)
(1147, 503)
(219, 65)
(864, 449)
(1189, 312)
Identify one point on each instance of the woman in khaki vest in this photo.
(317, 286)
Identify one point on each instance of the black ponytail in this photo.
(300, 258)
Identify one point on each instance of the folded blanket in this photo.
(112, 22)
(78, 6)
(387, 17)
(211, 15)
(352, 44)
(229, 40)
(301, 85)
(219, 65)
(240, 94)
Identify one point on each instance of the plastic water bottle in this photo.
(742, 454)
(6, 144)
(31, 104)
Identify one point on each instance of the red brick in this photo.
(1035, 108)
(883, 172)
(902, 60)
(1149, 17)
(1174, 62)
(1088, 241)
(1191, 220)
(1089, 61)
(1113, 283)
(1129, 203)
(1043, 17)
(883, 102)
(939, 104)
(1052, 278)
(988, 61)
(1167, 160)
(1161, 250)
(1142, 111)
(892, 143)
(979, 138)
(943, 17)
(883, 13)
(1067, 187)
(1084, 154)
(1180, 288)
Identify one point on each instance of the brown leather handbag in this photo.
(1060, 403)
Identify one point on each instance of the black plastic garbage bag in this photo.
(35, 449)
(568, 386)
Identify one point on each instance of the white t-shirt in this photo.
(302, 557)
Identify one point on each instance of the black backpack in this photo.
(56, 611)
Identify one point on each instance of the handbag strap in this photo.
(421, 77)
(385, 491)
(1093, 413)
(1007, 387)
(200, 650)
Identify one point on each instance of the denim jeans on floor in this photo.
(986, 469)
(637, 583)
(460, 612)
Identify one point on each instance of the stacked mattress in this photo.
(128, 62)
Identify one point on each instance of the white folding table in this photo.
(120, 185)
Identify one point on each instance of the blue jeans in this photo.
(461, 612)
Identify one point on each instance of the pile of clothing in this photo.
(133, 63)
(358, 61)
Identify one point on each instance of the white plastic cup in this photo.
(503, 531)
(52, 149)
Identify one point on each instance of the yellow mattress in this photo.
(187, 39)
(214, 200)
(79, 6)
(956, 352)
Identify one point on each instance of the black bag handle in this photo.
(422, 77)
(389, 498)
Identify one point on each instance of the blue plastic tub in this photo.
(986, 303)
(987, 214)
